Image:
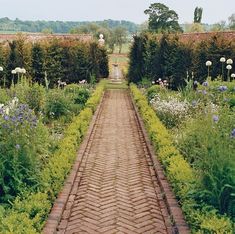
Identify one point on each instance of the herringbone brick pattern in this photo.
(116, 193)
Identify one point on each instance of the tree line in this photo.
(18, 25)
(65, 60)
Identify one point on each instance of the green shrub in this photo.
(4, 96)
(57, 104)
(208, 145)
(17, 223)
(36, 97)
(23, 146)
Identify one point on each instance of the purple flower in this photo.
(223, 88)
(215, 118)
(233, 133)
(204, 92)
(195, 82)
(6, 117)
(205, 83)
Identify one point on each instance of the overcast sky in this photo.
(89, 10)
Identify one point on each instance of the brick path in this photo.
(116, 193)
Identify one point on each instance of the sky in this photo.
(92, 10)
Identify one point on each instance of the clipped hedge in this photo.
(179, 172)
(29, 213)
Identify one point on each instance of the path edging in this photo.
(179, 223)
(58, 208)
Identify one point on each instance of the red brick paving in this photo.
(114, 191)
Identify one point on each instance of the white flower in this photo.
(229, 67)
(208, 63)
(18, 69)
(222, 59)
(7, 110)
(229, 61)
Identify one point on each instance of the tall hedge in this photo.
(65, 60)
(155, 56)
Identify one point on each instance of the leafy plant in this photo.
(23, 147)
(182, 176)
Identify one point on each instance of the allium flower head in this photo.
(205, 84)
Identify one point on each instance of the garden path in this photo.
(114, 190)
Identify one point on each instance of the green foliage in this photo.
(212, 49)
(44, 26)
(205, 139)
(38, 63)
(231, 20)
(153, 56)
(23, 147)
(4, 97)
(152, 91)
(136, 68)
(184, 180)
(166, 58)
(36, 97)
(198, 15)
(120, 36)
(209, 147)
(18, 223)
(162, 19)
(103, 63)
(79, 94)
(48, 62)
(57, 104)
(53, 63)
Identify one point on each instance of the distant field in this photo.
(9, 32)
(125, 49)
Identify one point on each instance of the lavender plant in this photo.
(23, 148)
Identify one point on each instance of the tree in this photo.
(218, 27)
(137, 54)
(53, 63)
(162, 19)
(38, 63)
(196, 27)
(231, 21)
(103, 63)
(11, 61)
(198, 15)
(120, 35)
